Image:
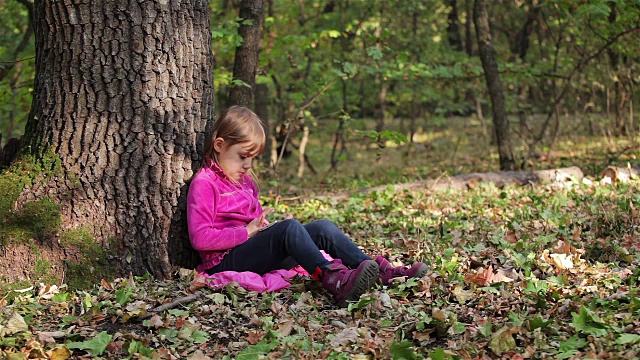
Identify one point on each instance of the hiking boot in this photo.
(346, 284)
(388, 272)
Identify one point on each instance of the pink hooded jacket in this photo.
(218, 212)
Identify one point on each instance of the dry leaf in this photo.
(156, 321)
(500, 276)
(254, 337)
(59, 353)
(346, 336)
(503, 341)
(105, 284)
(561, 261)
(197, 283)
(576, 233)
(50, 336)
(511, 237)
(285, 327)
(482, 276)
(462, 295)
(198, 355)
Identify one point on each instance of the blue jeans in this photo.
(289, 243)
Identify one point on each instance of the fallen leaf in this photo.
(59, 353)
(285, 327)
(561, 261)
(482, 276)
(503, 341)
(198, 355)
(50, 336)
(254, 337)
(345, 337)
(105, 284)
(511, 237)
(462, 295)
(155, 321)
(16, 324)
(197, 283)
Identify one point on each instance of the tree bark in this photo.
(124, 96)
(246, 59)
(494, 85)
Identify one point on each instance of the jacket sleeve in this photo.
(202, 203)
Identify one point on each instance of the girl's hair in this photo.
(236, 125)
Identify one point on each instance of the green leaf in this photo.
(537, 323)
(362, 303)
(458, 327)
(123, 296)
(169, 334)
(96, 346)
(486, 329)
(402, 350)
(502, 341)
(61, 297)
(589, 323)
(86, 302)
(178, 312)
(137, 347)
(374, 52)
(572, 343)
(257, 351)
(624, 339)
(200, 336)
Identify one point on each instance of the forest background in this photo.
(364, 93)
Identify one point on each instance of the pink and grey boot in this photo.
(388, 272)
(346, 284)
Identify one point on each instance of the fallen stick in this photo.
(469, 181)
(175, 303)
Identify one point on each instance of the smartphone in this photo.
(269, 225)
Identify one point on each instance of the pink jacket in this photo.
(218, 212)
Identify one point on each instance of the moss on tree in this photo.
(33, 231)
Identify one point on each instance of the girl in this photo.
(229, 228)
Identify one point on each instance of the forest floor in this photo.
(516, 272)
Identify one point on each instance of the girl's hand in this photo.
(258, 222)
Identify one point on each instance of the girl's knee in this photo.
(291, 224)
(324, 226)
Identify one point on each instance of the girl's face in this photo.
(234, 159)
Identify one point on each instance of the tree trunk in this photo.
(246, 60)
(494, 85)
(468, 42)
(262, 110)
(453, 31)
(124, 96)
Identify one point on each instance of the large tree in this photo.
(124, 96)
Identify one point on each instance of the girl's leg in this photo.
(268, 250)
(328, 237)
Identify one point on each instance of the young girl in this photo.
(230, 230)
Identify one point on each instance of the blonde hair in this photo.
(237, 125)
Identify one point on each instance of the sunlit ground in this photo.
(448, 147)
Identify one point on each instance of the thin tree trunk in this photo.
(246, 59)
(125, 102)
(453, 30)
(468, 38)
(301, 150)
(262, 110)
(494, 84)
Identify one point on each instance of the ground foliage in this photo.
(544, 272)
